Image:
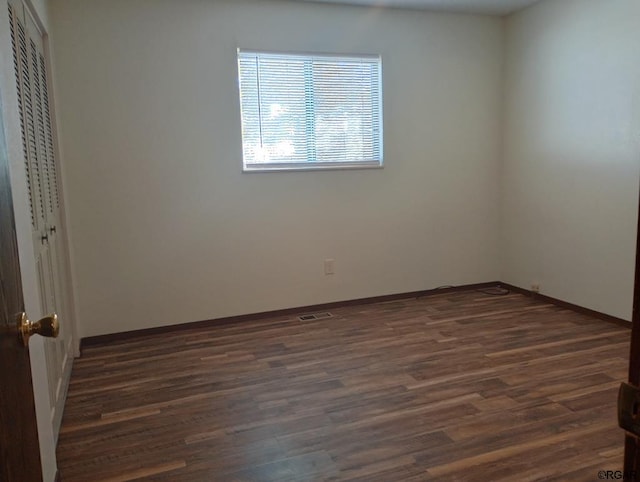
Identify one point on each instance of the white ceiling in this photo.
(485, 7)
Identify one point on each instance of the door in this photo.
(628, 407)
(34, 103)
(19, 449)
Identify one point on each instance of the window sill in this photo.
(330, 166)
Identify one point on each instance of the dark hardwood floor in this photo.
(456, 386)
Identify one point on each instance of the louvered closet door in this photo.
(44, 195)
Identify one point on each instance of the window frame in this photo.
(312, 165)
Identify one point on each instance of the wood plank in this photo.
(455, 386)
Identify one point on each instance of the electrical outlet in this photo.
(535, 287)
(328, 266)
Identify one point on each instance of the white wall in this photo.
(572, 151)
(167, 229)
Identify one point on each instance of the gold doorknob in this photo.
(47, 326)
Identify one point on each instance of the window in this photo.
(310, 111)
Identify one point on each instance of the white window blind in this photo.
(310, 111)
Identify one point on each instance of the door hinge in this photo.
(629, 408)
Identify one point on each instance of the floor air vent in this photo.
(315, 316)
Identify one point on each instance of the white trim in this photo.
(306, 55)
(310, 166)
